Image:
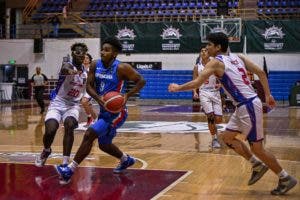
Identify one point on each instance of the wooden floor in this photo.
(215, 174)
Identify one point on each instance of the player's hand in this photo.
(100, 100)
(270, 101)
(173, 87)
(195, 96)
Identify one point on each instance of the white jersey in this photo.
(70, 88)
(235, 80)
(210, 83)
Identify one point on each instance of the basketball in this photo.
(113, 101)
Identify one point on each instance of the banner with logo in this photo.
(273, 36)
(172, 37)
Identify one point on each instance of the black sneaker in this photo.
(257, 172)
(284, 185)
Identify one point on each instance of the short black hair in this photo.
(113, 41)
(83, 45)
(219, 38)
(90, 57)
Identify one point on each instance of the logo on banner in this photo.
(124, 35)
(170, 34)
(273, 35)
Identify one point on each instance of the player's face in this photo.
(204, 53)
(212, 49)
(107, 53)
(86, 60)
(78, 54)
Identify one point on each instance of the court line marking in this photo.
(171, 186)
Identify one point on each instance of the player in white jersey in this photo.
(247, 119)
(210, 98)
(85, 101)
(65, 105)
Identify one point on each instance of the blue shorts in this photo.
(106, 125)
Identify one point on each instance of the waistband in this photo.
(245, 102)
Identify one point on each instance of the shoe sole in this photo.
(288, 189)
(259, 177)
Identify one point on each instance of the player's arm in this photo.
(126, 72)
(262, 77)
(195, 75)
(45, 79)
(209, 69)
(90, 84)
(67, 69)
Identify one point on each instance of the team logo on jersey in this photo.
(273, 35)
(171, 34)
(126, 34)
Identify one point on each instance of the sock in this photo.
(66, 159)
(215, 136)
(73, 165)
(124, 157)
(47, 150)
(282, 174)
(254, 161)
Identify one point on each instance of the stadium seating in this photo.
(281, 83)
(275, 8)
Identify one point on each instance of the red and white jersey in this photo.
(210, 83)
(70, 88)
(235, 80)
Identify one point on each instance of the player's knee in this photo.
(51, 126)
(70, 123)
(89, 136)
(211, 118)
(104, 147)
(218, 119)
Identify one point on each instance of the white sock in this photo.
(73, 165)
(253, 160)
(66, 159)
(124, 157)
(282, 174)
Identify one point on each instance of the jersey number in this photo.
(244, 76)
(73, 93)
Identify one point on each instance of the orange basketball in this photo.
(113, 101)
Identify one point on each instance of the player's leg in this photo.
(70, 123)
(286, 182)
(51, 126)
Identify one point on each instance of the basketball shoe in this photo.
(215, 143)
(41, 160)
(125, 164)
(284, 185)
(258, 171)
(65, 173)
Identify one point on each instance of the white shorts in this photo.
(248, 120)
(60, 111)
(211, 102)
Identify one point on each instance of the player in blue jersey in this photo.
(65, 105)
(247, 120)
(105, 75)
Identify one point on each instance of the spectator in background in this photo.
(55, 22)
(39, 81)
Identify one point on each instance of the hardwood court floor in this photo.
(167, 138)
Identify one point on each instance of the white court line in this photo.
(171, 186)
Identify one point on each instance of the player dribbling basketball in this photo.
(106, 74)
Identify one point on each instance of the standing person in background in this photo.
(247, 120)
(39, 81)
(85, 101)
(210, 98)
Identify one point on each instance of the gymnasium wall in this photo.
(55, 49)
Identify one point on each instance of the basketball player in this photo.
(65, 106)
(247, 119)
(85, 101)
(105, 75)
(210, 98)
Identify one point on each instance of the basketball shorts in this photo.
(248, 120)
(107, 124)
(211, 102)
(60, 110)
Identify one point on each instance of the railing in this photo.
(30, 6)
